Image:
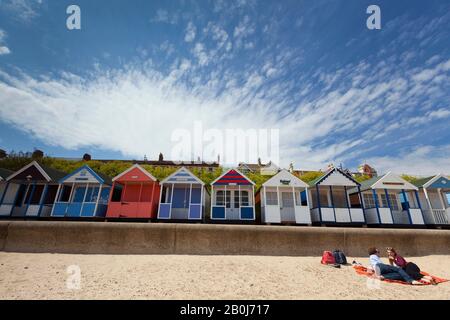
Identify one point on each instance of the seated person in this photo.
(409, 267)
(386, 271)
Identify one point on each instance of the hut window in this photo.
(245, 198)
(369, 201)
(51, 194)
(272, 199)
(91, 194)
(20, 195)
(447, 196)
(339, 198)
(65, 193)
(323, 198)
(228, 199)
(236, 200)
(37, 194)
(104, 195)
(196, 195)
(392, 201)
(79, 194)
(303, 199)
(116, 194)
(166, 194)
(220, 201)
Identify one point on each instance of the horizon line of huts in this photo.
(334, 198)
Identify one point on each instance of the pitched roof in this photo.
(99, 176)
(135, 166)
(182, 175)
(319, 179)
(5, 173)
(422, 181)
(232, 176)
(370, 184)
(285, 178)
(48, 173)
(367, 184)
(439, 181)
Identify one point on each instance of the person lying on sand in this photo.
(409, 267)
(386, 271)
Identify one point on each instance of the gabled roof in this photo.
(285, 178)
(328, 173)
(439, 181)
(388, 181)
(182, 175)
(49, 174)
(5, 173)
(101, 178)
(232, 176)
(135, 166)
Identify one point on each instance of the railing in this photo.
(440, 216)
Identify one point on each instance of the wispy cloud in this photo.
(242, 71)
(164, 16)
(23, 10)
(3, 48)
(190, 32)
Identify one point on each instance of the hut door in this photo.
(180, 202)
(287, 206)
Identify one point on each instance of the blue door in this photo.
(181, 197)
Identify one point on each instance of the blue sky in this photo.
(138, 70)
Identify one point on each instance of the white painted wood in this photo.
(393, 181)
(342, 215)
(338, 179)
(385, 215)
(287, 177)
(328, 214)
(357, 215)
(441, 199)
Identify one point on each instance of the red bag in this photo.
(327, 258)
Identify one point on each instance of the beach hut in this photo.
(31, 191)
(183, 196)
(284, 199)
(390, 199)
(4, 186)
(434, 196)
(330, 200)
(83, 193)
(233, 197)
(135, 194)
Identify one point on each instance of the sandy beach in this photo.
(45, 276)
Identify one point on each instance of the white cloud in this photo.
(324, 115)
(422, 161)
(125, 110)
(4, 50)
(200, 53)
(190, 32)
(163, 16)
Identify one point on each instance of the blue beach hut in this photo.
(83, 193)
(182, 197)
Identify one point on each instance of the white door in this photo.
(287, 207)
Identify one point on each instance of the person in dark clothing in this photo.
(386, 271)
(409, 267)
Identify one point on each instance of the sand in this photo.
(45, 276)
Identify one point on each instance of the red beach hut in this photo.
(135, 194)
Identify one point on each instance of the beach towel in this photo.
(363, 271)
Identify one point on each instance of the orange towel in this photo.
(363, 271)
